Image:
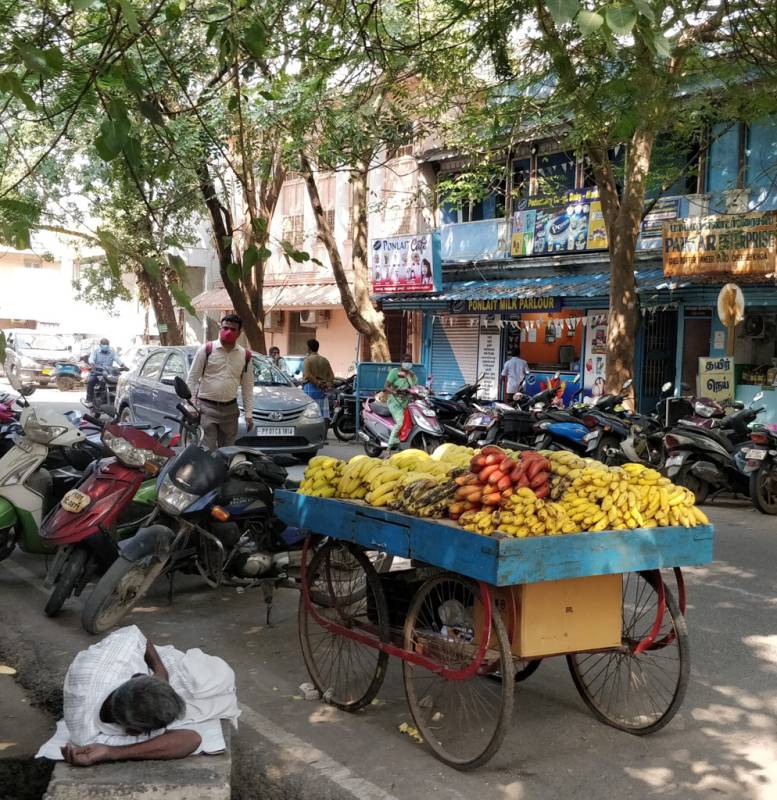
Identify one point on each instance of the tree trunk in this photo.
(221, 224)
(622, 320)
(164, 311)
(358, 307)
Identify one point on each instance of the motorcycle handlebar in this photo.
(93, 420)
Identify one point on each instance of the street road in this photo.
(723, 743)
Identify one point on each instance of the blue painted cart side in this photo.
(493, 559)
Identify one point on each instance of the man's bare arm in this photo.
(155, 662)
(168, 746)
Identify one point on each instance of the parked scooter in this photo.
(214, 516)
(343, 422)
(112, 503)
(27, 487)
(69, 376)
(420, 430)
(454, 411)
(705, 460)
(757, 461)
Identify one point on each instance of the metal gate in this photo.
(454, 356)
(658, 355)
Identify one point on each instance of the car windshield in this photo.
(41, 342)
(265, 374)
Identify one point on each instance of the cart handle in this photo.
(400, 652)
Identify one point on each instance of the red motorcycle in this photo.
(113, 501)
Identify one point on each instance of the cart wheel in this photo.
(346, 592)
(463, 721)
(638, 689)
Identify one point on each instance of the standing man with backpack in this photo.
(218, 370)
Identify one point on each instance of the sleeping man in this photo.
(125, 699)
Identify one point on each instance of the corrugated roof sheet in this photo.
(294, 296)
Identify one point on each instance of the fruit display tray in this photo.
(499, 561)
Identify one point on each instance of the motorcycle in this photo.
(758, 463)
(420, 428)
(706, 459)
(113, 502)
(68, 375)
(104, 398)
(214, 516)
(343, 422)
(27, 487)
(454, 411)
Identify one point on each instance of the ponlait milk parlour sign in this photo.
(402, 264)
(739, 244)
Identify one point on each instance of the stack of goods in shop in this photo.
(522, 494)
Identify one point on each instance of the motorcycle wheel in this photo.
(763, 488)
(123, 585)
(344, 428)
(700, 488)
(65, 383)
(8, 538)
(373, 450)
(607, 442)
(427, 443)
(67, 581)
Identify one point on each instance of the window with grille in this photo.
(293, 211)
(398, 152)
(294, 229)
(32, 263)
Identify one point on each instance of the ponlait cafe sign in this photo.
(734, 244)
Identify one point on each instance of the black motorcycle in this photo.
(104, 398)
(345, 408)
(757, 461)
(454, 411)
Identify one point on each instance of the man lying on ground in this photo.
(125, 699)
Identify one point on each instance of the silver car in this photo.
(286, 420)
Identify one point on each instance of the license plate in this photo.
(45, 372)
(75, 502)
(674, 461)
(756, 455)
(271, 431)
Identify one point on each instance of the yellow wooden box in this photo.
(553, 617)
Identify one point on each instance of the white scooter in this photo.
(26, 487)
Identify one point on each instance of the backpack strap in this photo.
(209, 350)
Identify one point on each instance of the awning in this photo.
(292, 297)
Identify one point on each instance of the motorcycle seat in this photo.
(379, 408)
(711, 433)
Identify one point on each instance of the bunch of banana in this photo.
(426, 497)
(524, 518)
(353, 481)
(456, 455)
(481, 522)
(384, 482)
(322, 477)
(565, 465)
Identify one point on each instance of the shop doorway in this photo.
(659, 347)
(395, 325)
(696, 345)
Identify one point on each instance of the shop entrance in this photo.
(696, 345)
(659, 346)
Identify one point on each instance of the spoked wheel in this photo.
(344, 428)
(462, 720)
(763, 487)
(639, 687)
(65, 383)
(345, 592)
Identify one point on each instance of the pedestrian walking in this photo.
(317, 377)
(513, 373)
(218, 370)
(101, 359)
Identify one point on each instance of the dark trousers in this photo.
(91, 381)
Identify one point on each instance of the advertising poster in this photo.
(488, 360)
(405, 264)
(740, 244)
(560, 224)
(716, 378)
(595, 360)
(664, 209)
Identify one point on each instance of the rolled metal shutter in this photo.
(454, 359)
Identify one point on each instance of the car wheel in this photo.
(303, 458)
(125, 415)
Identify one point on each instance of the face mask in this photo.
(406, 365)
(105, 348)
(228, 336)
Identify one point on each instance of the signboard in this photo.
(488, 360)
(406, 264)
(162, 327)
(507, 305)
(595, 360)
(736, 244)
(565, 223)
(664, 209)
(716, 378)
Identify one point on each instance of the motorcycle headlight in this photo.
(312, 411)
(42, 434)
(172, 499)
(128, 454)
(589, 436)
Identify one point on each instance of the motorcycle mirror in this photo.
(627, 385)
(667, 386)
(758, 396)
(181, 389)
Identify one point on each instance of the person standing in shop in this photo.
(513, 373)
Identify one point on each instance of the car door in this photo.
(166, 399)
(144, 387)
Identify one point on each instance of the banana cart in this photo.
(475, 614)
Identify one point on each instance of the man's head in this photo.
(231, 325)
(275, 353)
(407, 361)
(313, 345)
(144, 704)
(105, 345)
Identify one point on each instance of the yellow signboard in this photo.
(740, 244)
(716, 378)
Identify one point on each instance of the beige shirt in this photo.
(222, 376)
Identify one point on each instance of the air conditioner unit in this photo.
(755, 326)
(273, 320)
(312, 319)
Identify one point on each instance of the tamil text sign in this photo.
(716, 378)
(736, 244)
